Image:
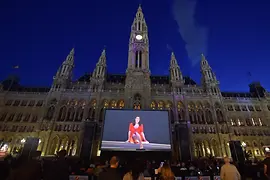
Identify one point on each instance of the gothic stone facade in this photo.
(56, 114)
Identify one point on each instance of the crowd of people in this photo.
(61, 167)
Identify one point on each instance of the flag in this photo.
(16, 67)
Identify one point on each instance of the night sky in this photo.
(38, 35)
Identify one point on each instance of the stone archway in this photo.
(137, 101)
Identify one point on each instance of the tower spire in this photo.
(138, 71)
(139, 44)
(103, 52)
(100, 69)
(140, 7)
(72, 51)
(139, 15)
(173, 60)
(209, 80)
(64, 73)
(175, 72)
(70, 57)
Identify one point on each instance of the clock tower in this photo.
(138, 72)
(138, 55)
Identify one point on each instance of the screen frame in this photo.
(110, 109)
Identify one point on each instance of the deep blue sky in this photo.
(38, 35)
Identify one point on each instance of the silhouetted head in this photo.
(136, 168)
(114, 162)
(62, 153)
(227, 160)
(166, 172)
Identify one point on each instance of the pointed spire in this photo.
(72, 51)
(175, 72)
(103, 52)
(172, 55)
(140, 7)
(202, 57)
(139, 13)
(102, 58)
(173, 60)
(70, 57)
(204, 62)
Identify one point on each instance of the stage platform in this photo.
(120, 146)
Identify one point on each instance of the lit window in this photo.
(252, 120)
(260, 121)
(239, 122)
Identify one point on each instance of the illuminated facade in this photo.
(56, 114)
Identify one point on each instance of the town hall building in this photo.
(56, 114)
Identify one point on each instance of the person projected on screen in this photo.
(136, 134)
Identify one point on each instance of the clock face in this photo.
(139, 37)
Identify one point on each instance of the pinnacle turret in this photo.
(64, 74)
(102, 58)
(100, 69)
(175, 72)
(173, 60)
(209, 80)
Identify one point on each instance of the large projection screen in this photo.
(131, 130)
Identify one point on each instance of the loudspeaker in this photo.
(237, 151)
(88, 139)
(182, 137)
(30, 146)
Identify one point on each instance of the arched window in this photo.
(91, 113)
(62, 113)
(121, 104)
(79, 114)
(220, 117)
(192, 117)
(70, 114)
(113, 104)
(181, 110)
(137, 102)
(200, 117)
(153, 105)
(160, 105)
(209, 117)
(50, 113)
(138, 59)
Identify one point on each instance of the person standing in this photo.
(266, 164)
(111, 172)
(229, 171)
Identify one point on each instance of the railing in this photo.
(162, 93)
(241, 98)
(24, 92)
(121, 91)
